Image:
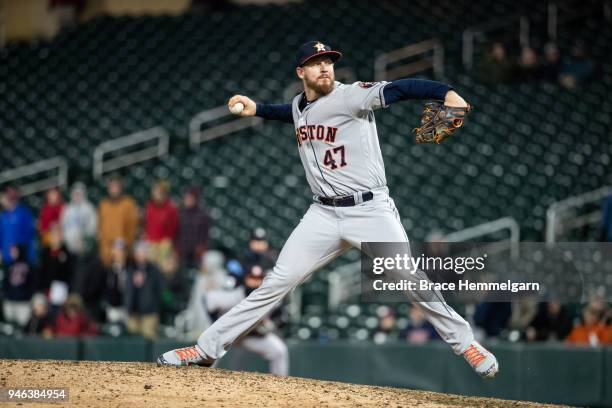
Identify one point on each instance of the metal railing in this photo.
(45, 182)
(344, 75)
(198, 136)
(434, 61)
(344, 283)
(101, 165)
(487, 228)
(561, 216)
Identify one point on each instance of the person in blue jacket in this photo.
(17, 227)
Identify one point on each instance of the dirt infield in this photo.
(113, 384)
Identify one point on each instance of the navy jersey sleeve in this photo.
(280, 112)
(410, 88)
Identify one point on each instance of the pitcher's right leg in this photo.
(314, 242)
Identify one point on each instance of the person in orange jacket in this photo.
(591, 331)
(118, 218)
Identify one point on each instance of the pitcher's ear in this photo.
(300, 72)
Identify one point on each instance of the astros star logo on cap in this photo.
(319, 46)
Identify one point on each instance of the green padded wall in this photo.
(38, 348)
(551, 373)
(110, 349)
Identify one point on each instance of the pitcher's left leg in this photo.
(378, 221)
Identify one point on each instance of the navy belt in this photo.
(346, 201)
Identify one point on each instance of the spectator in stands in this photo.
(599, 307)
(67, 11)
(16, 227)
(232, 274)
(56, 267)
(496, 67)
(523, 313)
(161, 223)
(192, 238)
(591, 330)
(419, 330)
(607, 320)
(606, 225)
(492, 317)
(577, 68)
(79, 223)
(50, 214)
(259, 250)
(41, 322)
(551, 66)
(143, 294)
(116, 277)
(72, 320)
(387, 328)
(90, 283)
(528, 68)
(19, 285)
(118, 218)
(212, 276)
(214, 272)
(552, 322)
(386, 319)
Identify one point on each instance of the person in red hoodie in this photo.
(72, 319)
(161, 226)
(50, 214)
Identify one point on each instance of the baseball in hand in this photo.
(236, 108)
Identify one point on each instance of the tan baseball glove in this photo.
(439, 122)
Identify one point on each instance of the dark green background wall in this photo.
(542, 372)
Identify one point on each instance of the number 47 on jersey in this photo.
(333, 156)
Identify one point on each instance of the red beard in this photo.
(321, 88)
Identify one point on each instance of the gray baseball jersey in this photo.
(338, 140)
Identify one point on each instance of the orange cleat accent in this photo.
(474, 356)
(185, 356)
(482, 360)
(187, 353)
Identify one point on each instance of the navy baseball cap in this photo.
(313, 49)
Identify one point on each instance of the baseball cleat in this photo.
(482, 360)
(185, 356)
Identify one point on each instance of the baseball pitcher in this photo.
(335, 131)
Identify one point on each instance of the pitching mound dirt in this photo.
(113, 384)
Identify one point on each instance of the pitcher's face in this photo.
(318, 74)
